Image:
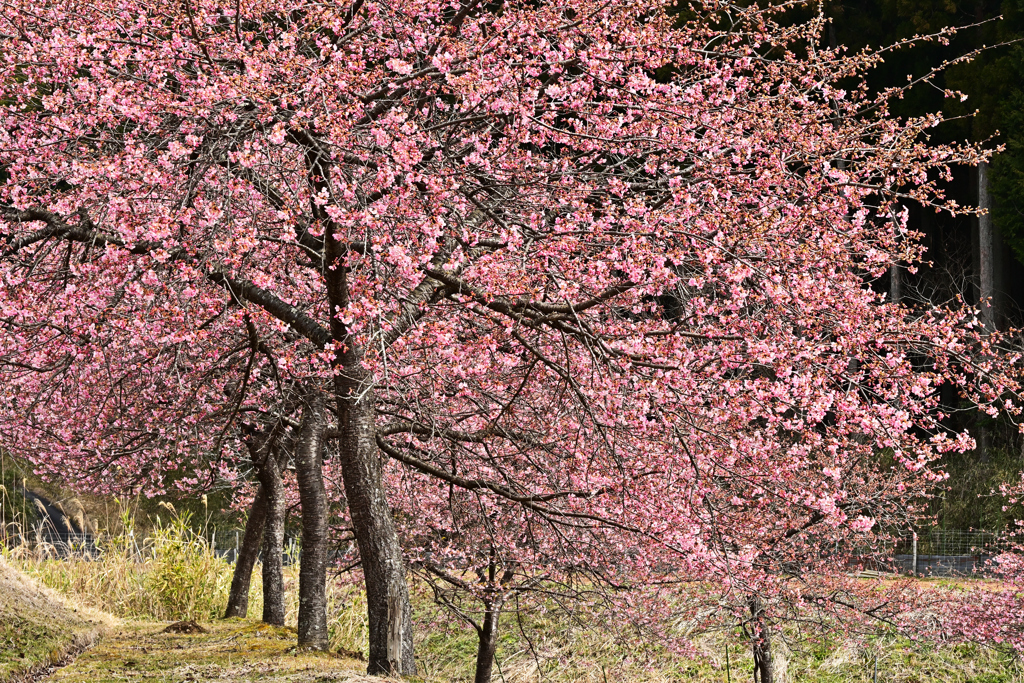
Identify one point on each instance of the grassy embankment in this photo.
(38, 628)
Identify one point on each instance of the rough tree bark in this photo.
(313, 502)
(895, 283)
(761, 640)
(487, 634)
(387, 595)
(986, 251)
(487, 629)
(269, 474)
(238, 599)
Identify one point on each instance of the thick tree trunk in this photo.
(248, 553)
(313, 501)
(764, 666)
(273, 542)
(387, 596)
(488, 643)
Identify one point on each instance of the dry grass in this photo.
(171, 574)
(561, 650)
(556, 650)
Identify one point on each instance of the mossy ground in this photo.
(232, 650)
(236, 651)
(541, 643)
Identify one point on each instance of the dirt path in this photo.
(231, 651)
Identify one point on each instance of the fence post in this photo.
(915, 554)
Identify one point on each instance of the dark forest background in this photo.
(968, 257)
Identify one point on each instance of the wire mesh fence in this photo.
(951, 552)
(935, 552)
(961, 542)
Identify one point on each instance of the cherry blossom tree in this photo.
(594, 281)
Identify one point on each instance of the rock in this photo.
(189, 626)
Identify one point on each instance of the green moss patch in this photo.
(231, 650)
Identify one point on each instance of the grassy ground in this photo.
(232, 651)
(38, 628)
(567, 653)
(546, 648)
(157, 567)
(237, 651)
